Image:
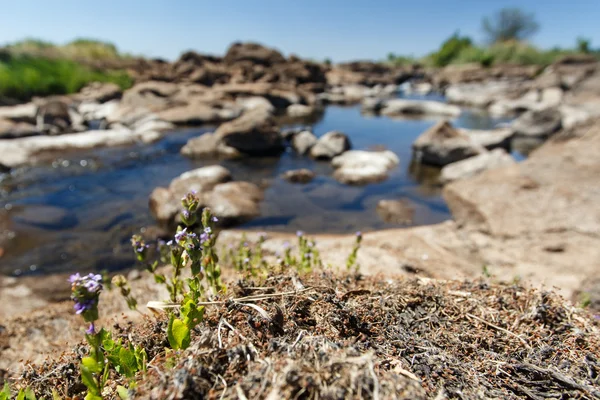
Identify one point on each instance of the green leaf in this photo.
(5, 393)
(29, 395)
(88, 380)
(192, 314)
(55, 395)
(91, 364)
(91, 396)
(123, 392)
(128, 362)
(178, 334)
(21, 395)
(159, 278)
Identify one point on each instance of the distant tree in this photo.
(450, 49)
(391, 57)
(327, 61)
(509, 24)
(583, 45)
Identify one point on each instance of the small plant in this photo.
(247, 259)
(308, 255)
(351, 261)
(121, 282)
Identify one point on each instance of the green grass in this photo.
(24, 76)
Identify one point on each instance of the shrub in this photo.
(509, 24)
(450, 49)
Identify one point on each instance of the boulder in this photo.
(93, 111)
(151, 95)
(10, 129)
(54, 117)
(475, 165)
(254, 133)
(256, 102)
(539, 124)
(231, 202)
(416, 108)
(358, 167)
(372, 104)
(442, 144)
(208, 145)
(330, 145)
(302, 175)
(482, 94)
(99, 92)
(303, 141)
(490, 138)
(395, 211)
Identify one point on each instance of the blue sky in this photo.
(337, 29)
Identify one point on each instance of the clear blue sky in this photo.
(338, 29)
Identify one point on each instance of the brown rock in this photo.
(254, 53)
(395, 211)
(100, 92)
(299, 175)
(442, 144)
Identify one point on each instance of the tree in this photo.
(509, 24)
(583, 45)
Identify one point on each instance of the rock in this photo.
(20, 113)
(195, 114)
(359, 167)
(475, 165)
(302, 142)
(573, 116)
(372, 104)
(253, 53)
(552, 96)
(540, 124)
(54, 117)
(330, 145)
(231, 202)
(402, 107)
(490, 138)
(99, 92)
(300, 110)
(151, 95)
(442, 144)
(10, 129)
(208, 145)
(23, 151)
(395, 211)
(299, 175)
(482, 94)
(254, 133)
(256, 102)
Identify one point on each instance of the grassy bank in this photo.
(22, 77)
(37, 68)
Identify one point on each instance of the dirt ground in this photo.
(339, 336)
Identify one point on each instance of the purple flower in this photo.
(358, 233)
(208, 229)
(91, 330)
(204, 237)
(186, 214)
(286, 245)
(180, 235)
(170, 243)
(214, 219)
(75, 278)
(299, 233)
(246, 260)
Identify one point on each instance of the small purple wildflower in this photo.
(299, 233)
(186, 214)
(286, 245)
(214, 219)
(208, 229)
(91, 330)
(204, 237)
(170, 243)
(85, 293)
(246, 260)
(358, 233)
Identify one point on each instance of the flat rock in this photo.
(416, 108)
(196, 114)
(100, 92)
(10, 129)
(442, 144)
(20, 113)
(475, 165)
(300, 110)
(359, 167)
(330, 145)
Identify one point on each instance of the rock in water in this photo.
(299, 175)
(442, 144)
(302, 142)
(359, 167)
(475, 165)
(231, 202)
(330, 145)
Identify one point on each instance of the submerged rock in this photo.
(300, 110)
(302, 175)
(475, 165)
(395, 211)
(442, 144)
(359, 167)
(231, 202)
(330, 145)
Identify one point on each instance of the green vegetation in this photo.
(79, 49)
(25, 76)
(450, 50)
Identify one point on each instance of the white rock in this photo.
(360, 167)
(400, 107)
(475, 165)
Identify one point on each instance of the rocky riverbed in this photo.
(319, 148)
